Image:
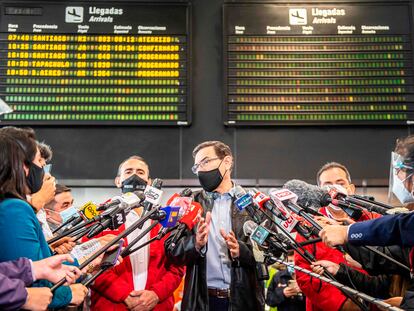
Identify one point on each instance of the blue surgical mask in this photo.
(290, 269)
(68, 213)
(398, 188)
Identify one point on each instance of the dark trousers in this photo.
(218, 304)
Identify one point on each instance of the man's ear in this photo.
(352, 189)
(228, 160)
(149, 181)
(117, 181)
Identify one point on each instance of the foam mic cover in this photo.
(309, 196)
(190, 217)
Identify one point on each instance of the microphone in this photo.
(153, 196)
(372, 201)
(171, 223)
(182, 200)
(262, 272)
(113, 221)
(85, 212)
(312, 197)
(289, 222)
(337, 193)
(287, 198)
(244, 201)
(264, 237)
(126, 199)
(187, 223)
(352, 210)
(308, 196)
(171, 217)
(116, 216)
(186, 192)
(265, 203)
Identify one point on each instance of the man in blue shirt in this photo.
(220, 272)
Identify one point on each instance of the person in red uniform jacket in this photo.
(145, 280)
(320, 295)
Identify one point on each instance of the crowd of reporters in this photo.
(130, 253)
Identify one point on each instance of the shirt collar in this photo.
(215, 195)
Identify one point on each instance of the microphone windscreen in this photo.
(309, 196)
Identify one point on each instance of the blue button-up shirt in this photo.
(218, 258)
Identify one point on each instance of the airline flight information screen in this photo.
(318, 64)
(95, 63)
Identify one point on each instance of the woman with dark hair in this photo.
(21, 174)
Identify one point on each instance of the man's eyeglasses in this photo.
(202, 164)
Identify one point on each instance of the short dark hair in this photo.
(221, 149)
(133, 157)
(61, 189)
(329, 166)
(45, 151)
(17, 147)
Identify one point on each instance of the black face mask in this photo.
(210, 180)
(133, 183)
(35, 178)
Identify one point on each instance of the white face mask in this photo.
(398, 188)
(65, 214)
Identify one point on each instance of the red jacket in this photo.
(320, 295)
(113, 287)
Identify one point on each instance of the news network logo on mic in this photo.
(153, 195)
(117, 221)
(244, 201)
(172, 216)
(283, 195)
(260, 235)
(89, 210)
(260, 197)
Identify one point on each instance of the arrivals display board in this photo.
(318, 64)
(86, 63)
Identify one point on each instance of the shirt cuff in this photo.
(33, 270)
(203, 251)
(347, 232)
